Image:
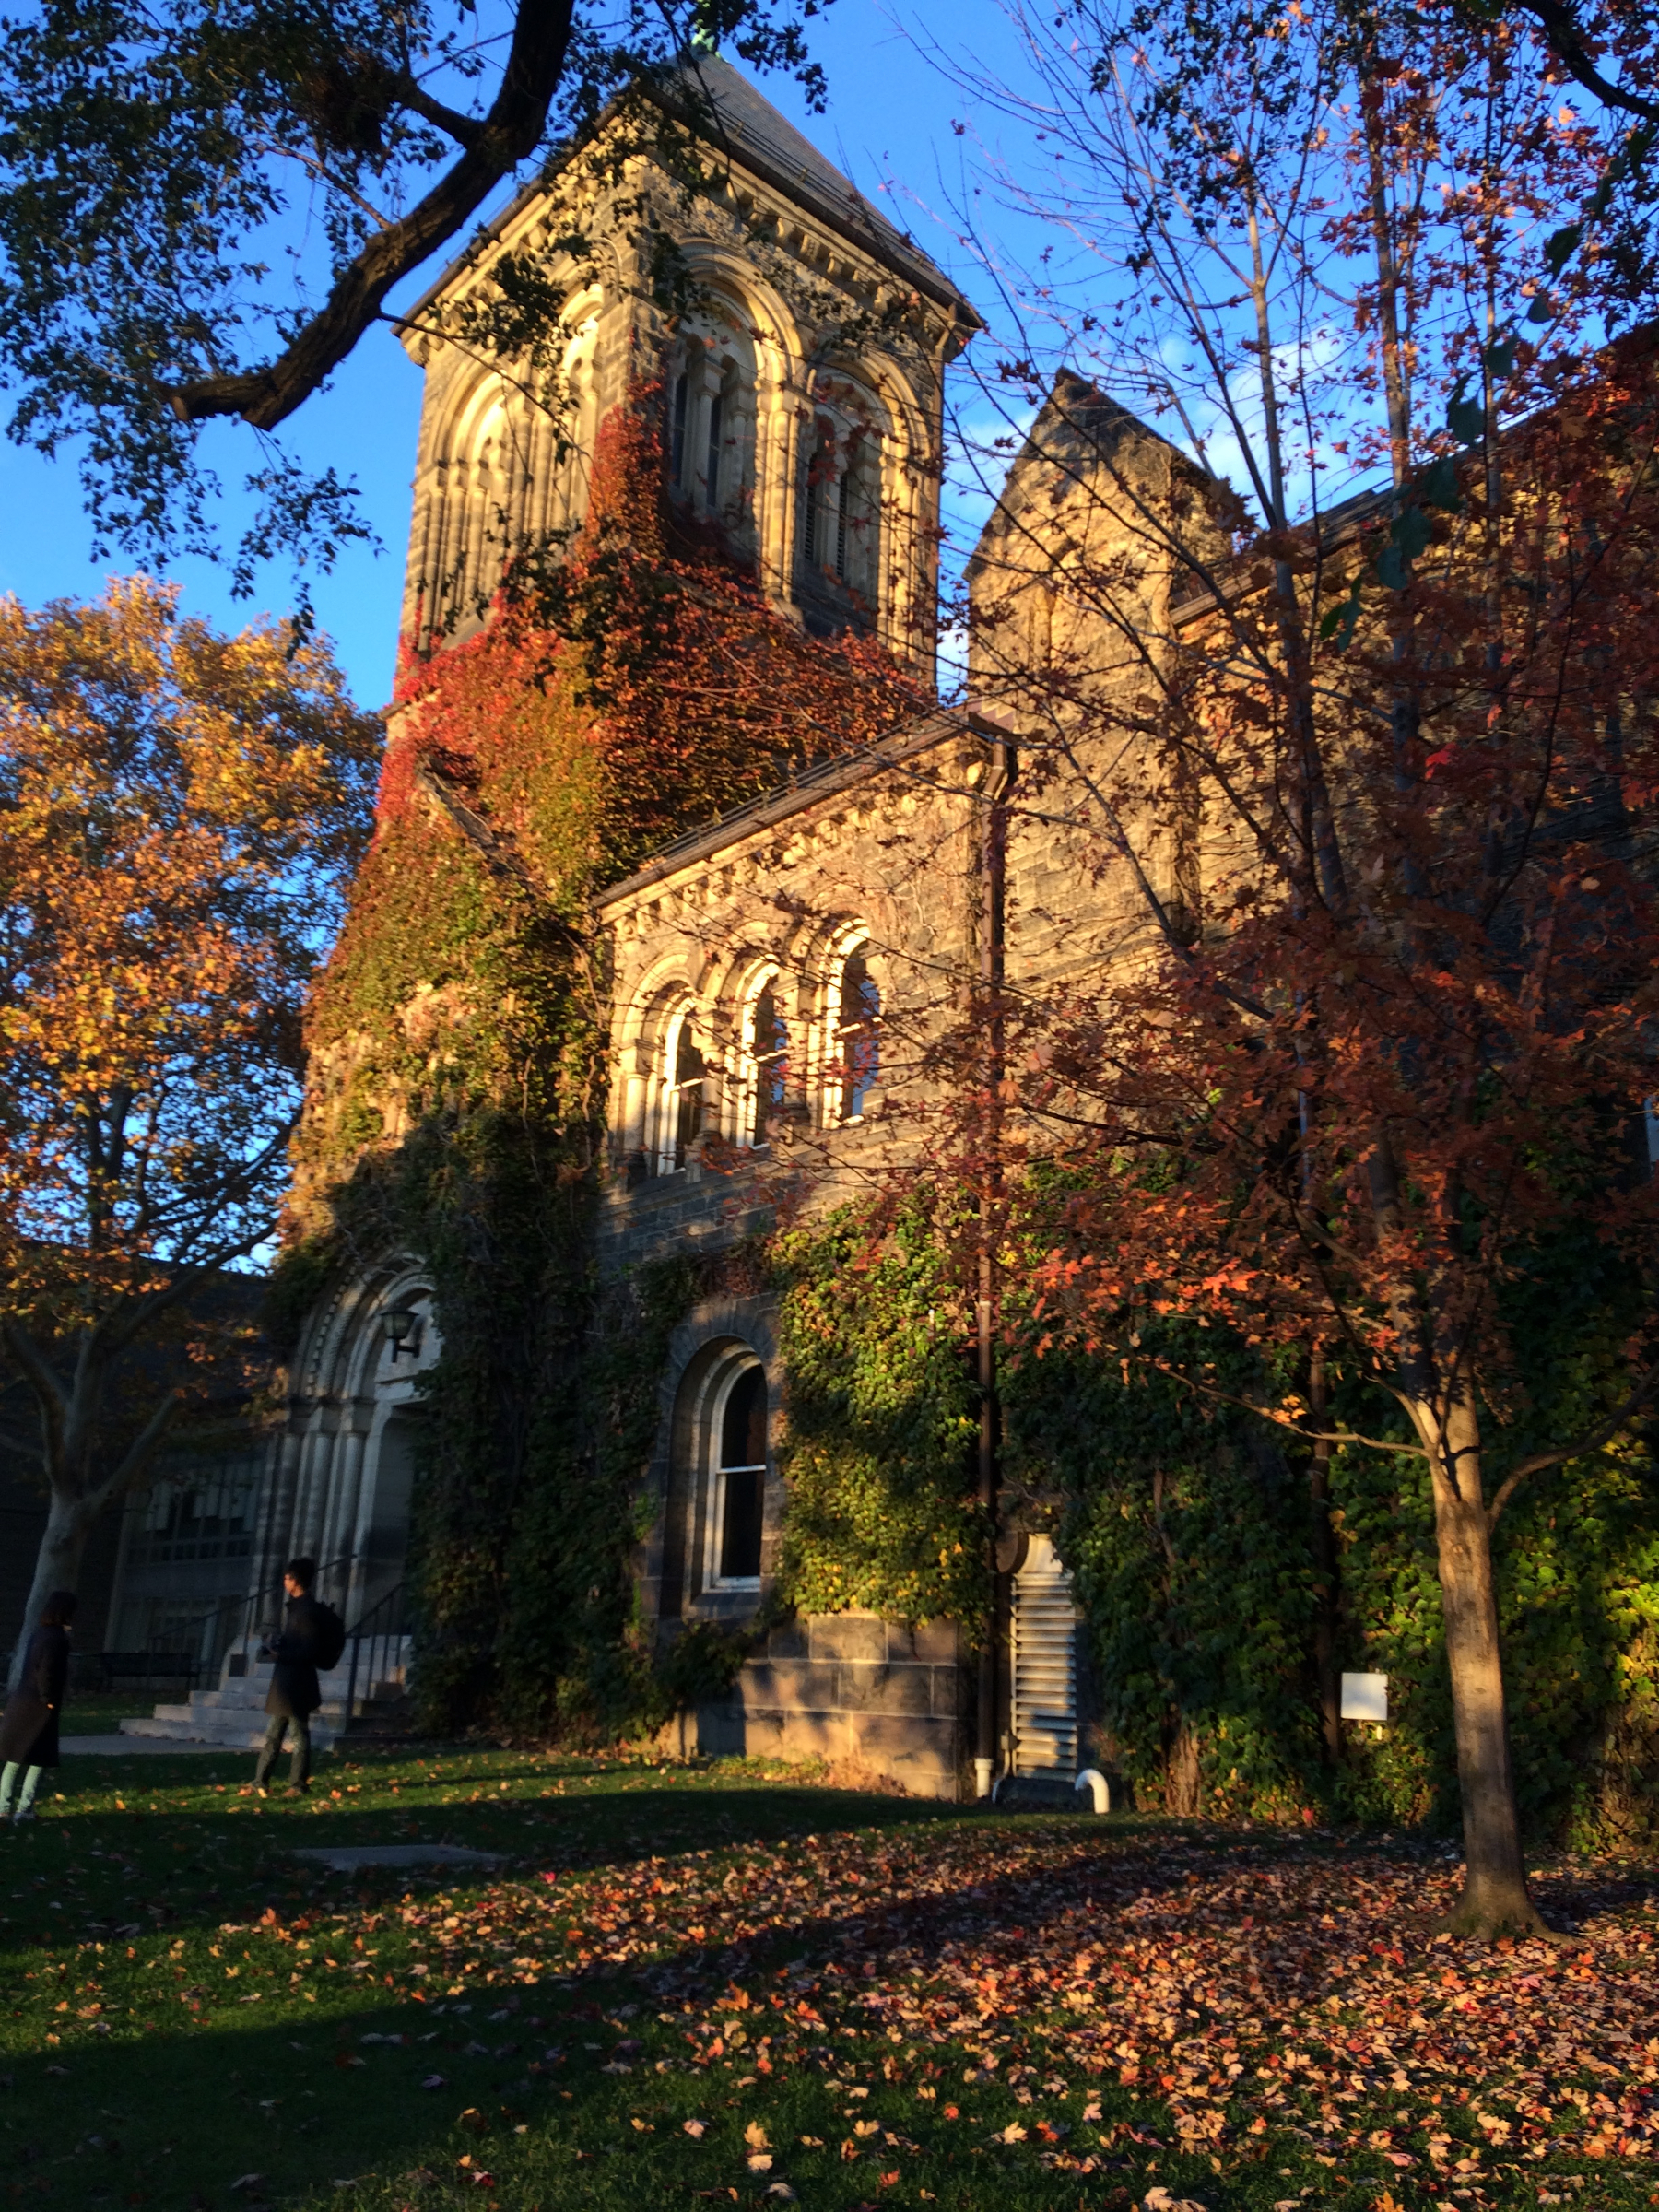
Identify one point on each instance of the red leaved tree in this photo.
(1353, 1020)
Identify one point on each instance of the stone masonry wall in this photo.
(855, 1690)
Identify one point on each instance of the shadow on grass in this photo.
(167, 2120)
(135, 1847)
(169, 2116)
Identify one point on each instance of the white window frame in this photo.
(849, 558)
(669, 1090)
(714, 1488)
(832, 1084)
(750, 1073)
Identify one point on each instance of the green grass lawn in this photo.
(98, 1713)
(721, 1985)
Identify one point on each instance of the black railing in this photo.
(237, 1619)
(209, 1635)
(375, 1643)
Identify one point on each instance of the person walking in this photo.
(294, 1694)
(28, 1730)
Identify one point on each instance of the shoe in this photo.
(26, 1814)
(298, 1789)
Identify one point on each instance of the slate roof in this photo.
(749, 131)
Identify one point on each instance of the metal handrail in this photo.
(380, 1626)
(248, 1605)
(194, 1632)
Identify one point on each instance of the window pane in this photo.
(767, 1052)
(857, 1034)
(688, 1121)
(821, 491)
(740, 1531)
(676, 445)
(743, 1430)
(682, 1097)
(688, 1060)
(861, 1001)
(716, 447)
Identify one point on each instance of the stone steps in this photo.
(234, 1713)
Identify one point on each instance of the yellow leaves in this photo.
(182, 808)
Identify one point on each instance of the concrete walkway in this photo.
(346, 1858)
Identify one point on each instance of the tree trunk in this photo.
(1494, 1899)
(57, 1566)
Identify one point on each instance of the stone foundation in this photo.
(853, 1688)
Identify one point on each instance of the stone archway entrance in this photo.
(339, 1490)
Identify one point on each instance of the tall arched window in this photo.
(842, 532)
(765, 1062)
(855, 1035)
(826, 524)
(680, 1101)
(711, 422)
(736, 1496)
(679, 411)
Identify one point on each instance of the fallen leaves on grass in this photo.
(1236, 1989)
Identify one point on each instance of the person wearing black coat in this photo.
(28, 1730)
(294, 1694)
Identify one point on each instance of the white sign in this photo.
(1365, 1697)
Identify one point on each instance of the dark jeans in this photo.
(298, 1759)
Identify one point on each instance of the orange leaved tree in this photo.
(179, 815)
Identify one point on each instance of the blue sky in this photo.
(889, 118)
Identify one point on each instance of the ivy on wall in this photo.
(1188, 1528)
(456, 1103)
(882, 1425)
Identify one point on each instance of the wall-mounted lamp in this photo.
(402, 1325)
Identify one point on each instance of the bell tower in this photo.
(798, 339)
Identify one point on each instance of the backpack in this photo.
(328, 1637)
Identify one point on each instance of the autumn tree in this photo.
(203, 211)
(1320, 606)
(180, 813)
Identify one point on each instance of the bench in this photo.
(132, 1666)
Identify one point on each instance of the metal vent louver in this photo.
(1045, 1669)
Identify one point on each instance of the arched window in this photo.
(842, 523)
(679, 409)
(855, 1035)
(826, 530)
(680, 1101)
(710, 423)
(737, 1495)
(765, 1062)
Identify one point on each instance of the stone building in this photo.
(773, 978)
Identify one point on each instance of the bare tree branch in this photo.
(139, 1453)
(1566, 40)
